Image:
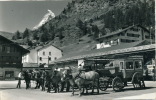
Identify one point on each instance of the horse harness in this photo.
(78, 76)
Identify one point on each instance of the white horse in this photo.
(81, 79)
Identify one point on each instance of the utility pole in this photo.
(48, 61)
(151, 34)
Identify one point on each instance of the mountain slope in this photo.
(6, 34)
(92, 18)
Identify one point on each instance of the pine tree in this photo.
(26, 33)
(44, 37)
(17, 35)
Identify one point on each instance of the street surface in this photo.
(8, 91)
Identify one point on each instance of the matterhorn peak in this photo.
(48, 16)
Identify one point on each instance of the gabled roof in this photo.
(38, 48)
(126, 47)
(24, 51)
(43, 47)
(121, 30)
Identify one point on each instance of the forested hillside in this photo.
(90, 18)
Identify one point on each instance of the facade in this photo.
(130, 34)
(42, 55)
(10, 58)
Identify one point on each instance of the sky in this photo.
(19, 15)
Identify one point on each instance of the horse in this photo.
(43, 79)
(54, 80)
(27, 78)
(37, 79)
(82, 79)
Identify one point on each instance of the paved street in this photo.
(9, 92)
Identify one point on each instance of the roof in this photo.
(126, 47)
(24, 51)
(38, 48)
(30, 65)
(122, 30)
(43, 47)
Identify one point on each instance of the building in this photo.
(104, 55)
(10, 58)
(42, 55)
(127, 35)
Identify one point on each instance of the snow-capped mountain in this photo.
(48, 16)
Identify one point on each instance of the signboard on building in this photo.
(102, 45)
(136, 57)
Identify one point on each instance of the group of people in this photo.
(43, 78)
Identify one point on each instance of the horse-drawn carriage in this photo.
(120, 71)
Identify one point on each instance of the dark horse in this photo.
(82, 79)
(27, 78)
(54, 80)
(37, 78)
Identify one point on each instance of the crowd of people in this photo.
(43, 79)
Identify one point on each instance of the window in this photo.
(55, 58)
(121, 65)
(49, 58)
(43, 53)
(129, 65)
(40, 58)
(8, 50)
(147, 37)
(3, 48)
(50, 53)
(137, 64)
(14, 49)
(122, 34)
(133, 35)
(123, 40)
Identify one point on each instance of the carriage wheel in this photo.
(117, 84)
(138, 81)
(103, 85)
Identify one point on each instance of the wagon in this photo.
(120, 71)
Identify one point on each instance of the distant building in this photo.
(42, 55)
(10, 58)
(130, 34)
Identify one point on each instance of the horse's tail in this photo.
(98, 80)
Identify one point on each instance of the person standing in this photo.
(153, 71)
(19, 80)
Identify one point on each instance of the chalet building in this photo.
(10, 58)
(130, 34)
(41, 56)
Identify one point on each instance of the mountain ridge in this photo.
(47, 17)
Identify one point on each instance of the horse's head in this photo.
(66, 75)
